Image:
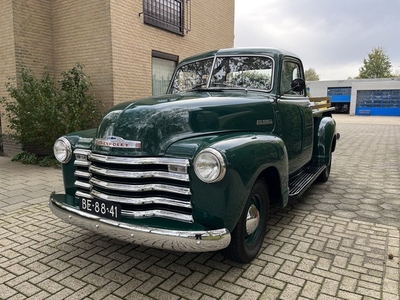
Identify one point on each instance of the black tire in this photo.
(324, 176)
(244, 247)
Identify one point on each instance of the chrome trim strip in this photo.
(83, 174)
(141, 201)
(83, 185)
(139, 160)
(158, 213)
(187, 241)
(82, 163)
(139, 187)
(147, 174)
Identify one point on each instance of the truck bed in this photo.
(321, 105)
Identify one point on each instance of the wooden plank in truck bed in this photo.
(320, 105)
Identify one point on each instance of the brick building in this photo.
(128, 47)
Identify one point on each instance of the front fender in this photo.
(246, 156)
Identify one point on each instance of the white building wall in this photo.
(320, 88)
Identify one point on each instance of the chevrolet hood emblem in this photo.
(117, 142)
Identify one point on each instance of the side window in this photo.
(163, 66)
(290, 71)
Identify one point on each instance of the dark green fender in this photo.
(325, 138)
(248, 156)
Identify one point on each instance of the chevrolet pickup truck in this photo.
(198, 168)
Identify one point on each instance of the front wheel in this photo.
(248, 235)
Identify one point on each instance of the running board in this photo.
(299, 183)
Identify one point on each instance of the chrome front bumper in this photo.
(185, 241)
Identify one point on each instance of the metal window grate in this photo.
(166, 14)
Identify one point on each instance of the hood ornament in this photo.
(117, 142)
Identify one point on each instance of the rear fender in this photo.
(325, 138)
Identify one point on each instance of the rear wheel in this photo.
(248, 235)
(325, 174)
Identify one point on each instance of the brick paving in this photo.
(340, 240)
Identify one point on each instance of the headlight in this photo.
(209, 165)
(62, 150)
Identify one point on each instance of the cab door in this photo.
(294, 116)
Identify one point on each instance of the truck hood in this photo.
(147, 127)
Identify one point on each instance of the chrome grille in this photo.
(144, 187)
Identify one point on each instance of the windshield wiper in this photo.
(198, 86)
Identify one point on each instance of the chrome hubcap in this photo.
(252, 219)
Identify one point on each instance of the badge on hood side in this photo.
(117, 142)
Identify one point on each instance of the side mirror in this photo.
(298, 85)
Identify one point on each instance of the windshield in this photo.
(250, 72)
(191, 75)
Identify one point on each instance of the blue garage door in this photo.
(340, 98)
(378, 102)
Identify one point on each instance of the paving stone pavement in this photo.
(340, 240)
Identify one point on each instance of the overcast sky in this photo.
(333, 37)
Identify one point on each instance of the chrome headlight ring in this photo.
(209, 165)
(62, 150)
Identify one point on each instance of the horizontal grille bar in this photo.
(83, 185)
(81, 163)
(83, 195)
(138, 175)
(83, 174)
(139, 160)
(139, 187)
(141, 201)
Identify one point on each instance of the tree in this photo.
(311, 75)
(377, 65)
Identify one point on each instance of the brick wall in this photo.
(26, 42)
(10, 147)
(82, 33)
(108, 37)
(212, 25)
(7, 59)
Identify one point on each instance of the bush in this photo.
(39, 111)
(33, 159)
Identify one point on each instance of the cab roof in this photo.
(274, 52)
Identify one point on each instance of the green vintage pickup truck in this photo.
(197, 169)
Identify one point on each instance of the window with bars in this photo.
(165, 14)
